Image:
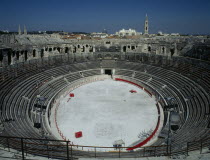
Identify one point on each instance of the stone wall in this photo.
(21, 48)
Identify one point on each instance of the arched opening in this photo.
(46, 49)
(17, 55)
(172, 51)
(149, 49)
(133, 47)
(74, 49)
(66, 49)
(9, 55)
(1, 56)
(86, 45)
(26, 55)
(78, 46)
(83, 49)
(22, 52)
(124, 48)
(59, 49)
(42, 53)
(163, 49)
(91, 49)
(108, 71)
(54, 48)
(50, 49)
(34, 53)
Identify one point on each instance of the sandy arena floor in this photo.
(105, 111)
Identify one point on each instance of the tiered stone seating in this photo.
(195, 108)
(20, 86)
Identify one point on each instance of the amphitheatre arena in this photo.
(111, 98)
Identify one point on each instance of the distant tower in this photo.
(25, 31)
(19, 30)
(146, 25)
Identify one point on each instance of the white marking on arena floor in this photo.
(105, 111)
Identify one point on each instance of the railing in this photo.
(60, 149)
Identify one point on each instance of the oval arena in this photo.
(103, 99)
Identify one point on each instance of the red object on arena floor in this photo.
(78, 134)
(71, 94)
(133, 91)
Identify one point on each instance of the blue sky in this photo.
(170, 16)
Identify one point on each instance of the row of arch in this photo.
(24, 55)
(133, 48)
(73, 48)
(35, 53)
(129, 47)
(171, 50)
(149, 49)
(88, 56)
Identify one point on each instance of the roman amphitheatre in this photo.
(109, 98)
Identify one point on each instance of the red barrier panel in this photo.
(119, 79)
(150, 94)
(56, 124)
(158, 108)
(148, 139)
(133, 91)
(71, 94)
(158, 123)
(78, 134)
